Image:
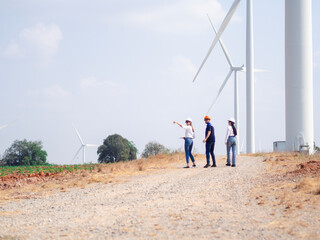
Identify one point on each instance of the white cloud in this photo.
(13, 50)
(44, 38)
(54, 91)
(182, 16)
(92, 82)
(40, 40)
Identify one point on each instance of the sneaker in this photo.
(207, 165)
(194, 165)
(213, 165)
(233, 165)
(228, 164)
(187, 167)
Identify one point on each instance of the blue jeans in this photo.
(231, 143)
(210, 150)
(188, 144)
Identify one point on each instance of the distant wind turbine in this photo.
(83, 146)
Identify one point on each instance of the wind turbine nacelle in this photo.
(238, 68)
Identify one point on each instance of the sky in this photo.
(126, 67)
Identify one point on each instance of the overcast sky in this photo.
(126, 67)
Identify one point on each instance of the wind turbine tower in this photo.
(299, 75)
(250, 81)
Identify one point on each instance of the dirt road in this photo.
(168, 204)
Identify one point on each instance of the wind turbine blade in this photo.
(91, 145)
(81, 141)
(220, 90)
(221, 30)
(77, 153)
(225, 51)
(6, 125)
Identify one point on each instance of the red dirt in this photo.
(12, 181)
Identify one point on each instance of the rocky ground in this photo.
(227, 203)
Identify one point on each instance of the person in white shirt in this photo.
(231, 142)
(188, 140)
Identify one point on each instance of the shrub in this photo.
(115, 148)
(24, 153)
(153, 149)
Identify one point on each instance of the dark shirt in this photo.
(212, 137)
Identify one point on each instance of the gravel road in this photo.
(176, 203)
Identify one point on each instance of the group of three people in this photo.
(210, 140)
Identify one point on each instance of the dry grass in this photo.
(309, 185)
(291, 186)
(7, 238)
(291, 194)
(282, 163)
(105, 173)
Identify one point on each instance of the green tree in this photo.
(24, 153)
(115, 148)
(153, 149)
(133, 151)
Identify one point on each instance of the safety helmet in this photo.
(231, 120)
(207, 118)
(188, 120)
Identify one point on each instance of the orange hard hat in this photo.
(207, 118)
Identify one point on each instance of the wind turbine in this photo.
(216, 39)
(83, 146)
(235, 70)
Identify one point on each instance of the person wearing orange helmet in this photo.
(210, 142)
(188, 140)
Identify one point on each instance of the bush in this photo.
(24, 153)
(115, 148)
(153, 149)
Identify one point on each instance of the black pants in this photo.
(210, 150)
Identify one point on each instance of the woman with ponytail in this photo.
(231, 142)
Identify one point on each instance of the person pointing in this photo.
(188, 140)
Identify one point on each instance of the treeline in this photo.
(115, 148)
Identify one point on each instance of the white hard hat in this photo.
(231, 120)
(189, 120)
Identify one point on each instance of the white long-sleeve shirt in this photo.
(229, 133)
(189, 132)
